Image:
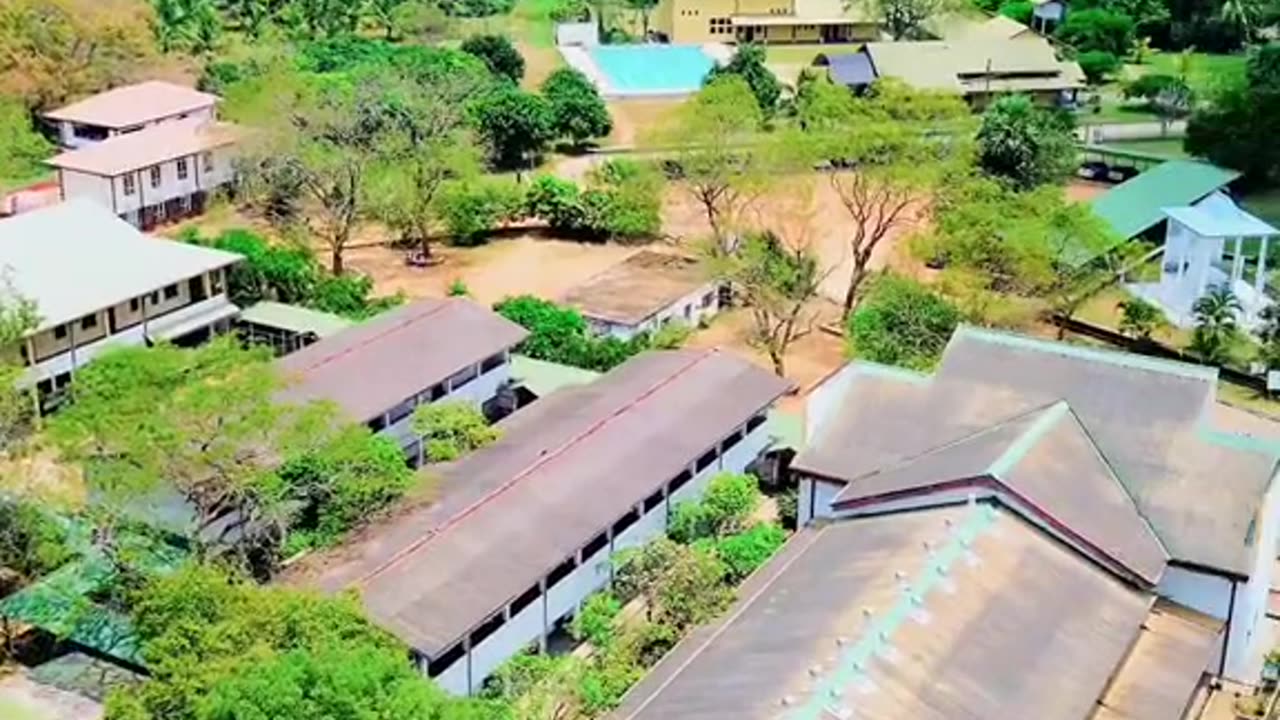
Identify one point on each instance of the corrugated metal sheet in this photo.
(853, 70)
(1165, 666)
(1148, 418)
(1137, 204)
(565, 469)
(1021, 627)
(373, 366)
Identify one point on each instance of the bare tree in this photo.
(878, 200)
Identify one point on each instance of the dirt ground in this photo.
(23, 699)
(1085, 190)
(633, 118)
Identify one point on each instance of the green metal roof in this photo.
(1136, 204)
(294, 318)
(543, 378)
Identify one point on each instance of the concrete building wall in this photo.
(1251, 637)
(691, 309)
(74, 184)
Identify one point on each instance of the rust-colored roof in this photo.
(565, 469)
(371, 367)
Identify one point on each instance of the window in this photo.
(182, 169)
(730, 441)
(438, 391)
(627, 521)
(171, 291)
(488, 628)
(89, 132)
(705, 461)
(401, 411)
(491, 362)
(134, 304)
(155, 298)
(719, 26)
(679, 481)
(597, 544)
(445, 660)
(88, 322)
(44, 387)
(155, 176)
(561, 572)
(60, 332)
(215, 282)
(525, 600)
(462, 377)
(755, 422)
(208, 162)
(654, 500)
(708, 299)
(130, 182)
(377, 424)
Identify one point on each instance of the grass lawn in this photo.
(530, 22)
(1115, 110)
(1169, 147)
(1205, 73)
(14, 183)
(1265, 204)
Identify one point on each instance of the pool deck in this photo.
(579, 58)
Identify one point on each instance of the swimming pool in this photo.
(651, 69)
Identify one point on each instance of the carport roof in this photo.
(1134, 206)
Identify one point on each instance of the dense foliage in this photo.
(451, 428)
(1025, 145)
(577, 110)
(1239, 126)
(561, 335)
(902, 322)
(221, 648)
(748, 63)
(515, 126)
(22, 149)
(498, 54)
(1098, 30)
(290, 274)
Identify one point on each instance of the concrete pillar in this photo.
(1237, 263)
(1260, 274)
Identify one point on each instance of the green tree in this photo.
(643, 8)
(902, 322)
(1025, 145)
(577, 110)
(498, 54)
(383, 13)
(515, 125)
(596, 623)
(452, 428)
(1139, 318)
(283, 273)
(1238, 126)
(776, 282)
(1099, 30)
(682, 585)
(220, 648)
(421, 22)
(1217, 330)
(905, 19)
(22, 149)
(315, 19)
(1098, 65)
(471, 208)
(748, 63)
(18, 317)
(743, 553)
(560, 334)
(201, 423)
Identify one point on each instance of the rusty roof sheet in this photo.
(565, 469)
(1018, 626)
(134, 105)
(1046, 461)
(371, 367)
(637, 288)
(1198, 487)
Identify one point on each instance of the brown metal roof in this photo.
(1047, 462)
(565, 469)
(373, 366)
(1197, 487)
(640, 286)
(1158, 679)
(1019, 626)
(133, 105)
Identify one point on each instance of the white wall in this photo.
(826, 493)
(825, 400)
(673, 312)
(1251, 638)
(83, 185)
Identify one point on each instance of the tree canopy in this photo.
(1025, 145)
(1238, 127)
(577, 110)
(902, 322)
(748, 63)
(498, 54)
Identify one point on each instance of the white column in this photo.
(1260, 276)
(1237, 264)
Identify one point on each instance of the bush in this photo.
(1020, 10)
(498, 54)
(452, 428)
(902, 322)
(555, 201)
(724, 509)
(477, 8)
(1098, 30)
(594, 623)
(561, 335)
(515, 126)
(1148, 86)
(471, 209)
(577, 110)
(746, 551)
(1098, 65)
(351, 296)
(570, 11)
(625, 202)
(789, 507)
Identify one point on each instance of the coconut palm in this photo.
(1216, 327)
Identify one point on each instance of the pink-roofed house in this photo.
(149, 152)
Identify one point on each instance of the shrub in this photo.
(498, 54)
(477, 8)
(577, 110)
(557, 202)
(1149, 86)
(570, 10)
(350, 295)
(902, 322)
(1098, 65)
(452, 428)
(471, 209)
(724, 509)
(748, 550)
(625, 201)
(594, 623)
(789, 507)
(1098, 30)
(1020, 10)
(560, 334)
(458, 288)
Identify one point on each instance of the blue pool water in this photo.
(652, 69)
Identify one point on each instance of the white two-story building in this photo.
(379, 371)
(98, 283)
(523, 531)
(150, 152)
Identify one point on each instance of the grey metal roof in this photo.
(853, 70)
(639, 287)
(1198, 488)
(862, 615)
(150, 146)
(77, 257)
(565, 469)
(371, 367)
(1046, 460)
(134, 104)
(294, 318)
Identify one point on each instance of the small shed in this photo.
(853, 70)
(644, 292)
(287, 328)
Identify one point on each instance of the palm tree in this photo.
(1216, 327)
(1243, 13)
(1139, 318)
